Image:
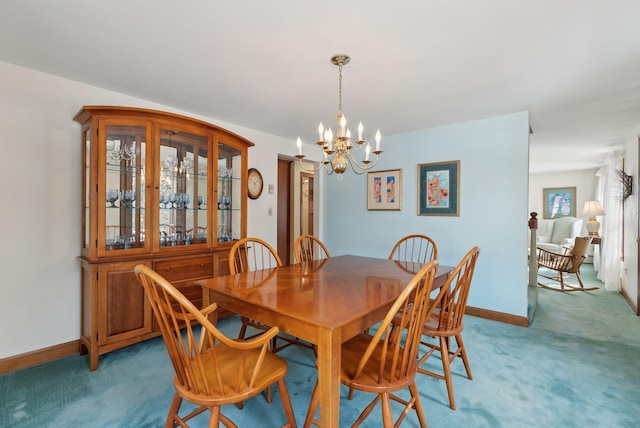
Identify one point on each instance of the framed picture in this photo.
(384, 190)
(559, 202)
(439, 188)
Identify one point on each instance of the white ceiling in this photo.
(416, 64)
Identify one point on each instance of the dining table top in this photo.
(326, 293)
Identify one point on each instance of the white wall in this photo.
(493, 156)
(41, 172)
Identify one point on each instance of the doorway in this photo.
(306, 204)
(297, 206)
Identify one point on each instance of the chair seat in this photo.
(433, 328)
(369, 379)
(273, 368)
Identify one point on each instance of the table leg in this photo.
(329, 347)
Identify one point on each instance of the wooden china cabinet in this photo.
(158, 189)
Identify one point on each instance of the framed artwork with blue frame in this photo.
(439, 188)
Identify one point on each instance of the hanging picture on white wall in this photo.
(559, 202)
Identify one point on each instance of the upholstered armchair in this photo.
(561, 232)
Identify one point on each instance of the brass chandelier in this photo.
(338, 150)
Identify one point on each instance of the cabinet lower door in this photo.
(125, 312)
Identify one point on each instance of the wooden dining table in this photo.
(325, 302)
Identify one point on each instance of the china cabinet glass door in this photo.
(182, 198)
(124, 151)
(229, 212)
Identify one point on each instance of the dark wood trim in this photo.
(629, 301)
(521, 321)
(39, 356)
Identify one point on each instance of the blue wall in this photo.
(493, 156)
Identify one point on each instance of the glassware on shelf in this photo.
(126, 242)
(187, 164)
(186, 199)
(171, 163)
(124, 153)
(132, 150)
(112, 196)
(128, 197)
(223, 235)
(201, 201)
(172, 200)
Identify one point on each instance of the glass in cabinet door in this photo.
(183, 188)
(86, 228)
(125, 180)
(229, 193)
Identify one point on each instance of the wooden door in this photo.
(284, 210)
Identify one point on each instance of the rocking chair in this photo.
(568, 263)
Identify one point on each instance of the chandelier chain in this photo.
(340, 88)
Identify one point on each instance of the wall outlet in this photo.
(269, 211)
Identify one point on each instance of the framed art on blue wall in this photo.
(384, 190)
(439, 188)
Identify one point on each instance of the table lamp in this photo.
(592, 209)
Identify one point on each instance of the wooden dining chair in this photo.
(211, 370)
(565, 265)
(252, 254)
(414, 248)
(446, 322)
(309, 247)
(386, 362)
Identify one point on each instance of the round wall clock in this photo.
(254, 183)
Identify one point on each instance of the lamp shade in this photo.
(592, 208)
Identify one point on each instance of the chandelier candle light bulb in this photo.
(338, 151)
(299, 144)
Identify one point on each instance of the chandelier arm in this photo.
(360, 168)
(328, 168)
(358, 145)
(307, 168)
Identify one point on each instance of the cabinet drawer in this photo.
(185, 268)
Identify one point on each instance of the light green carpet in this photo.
(575, 366)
